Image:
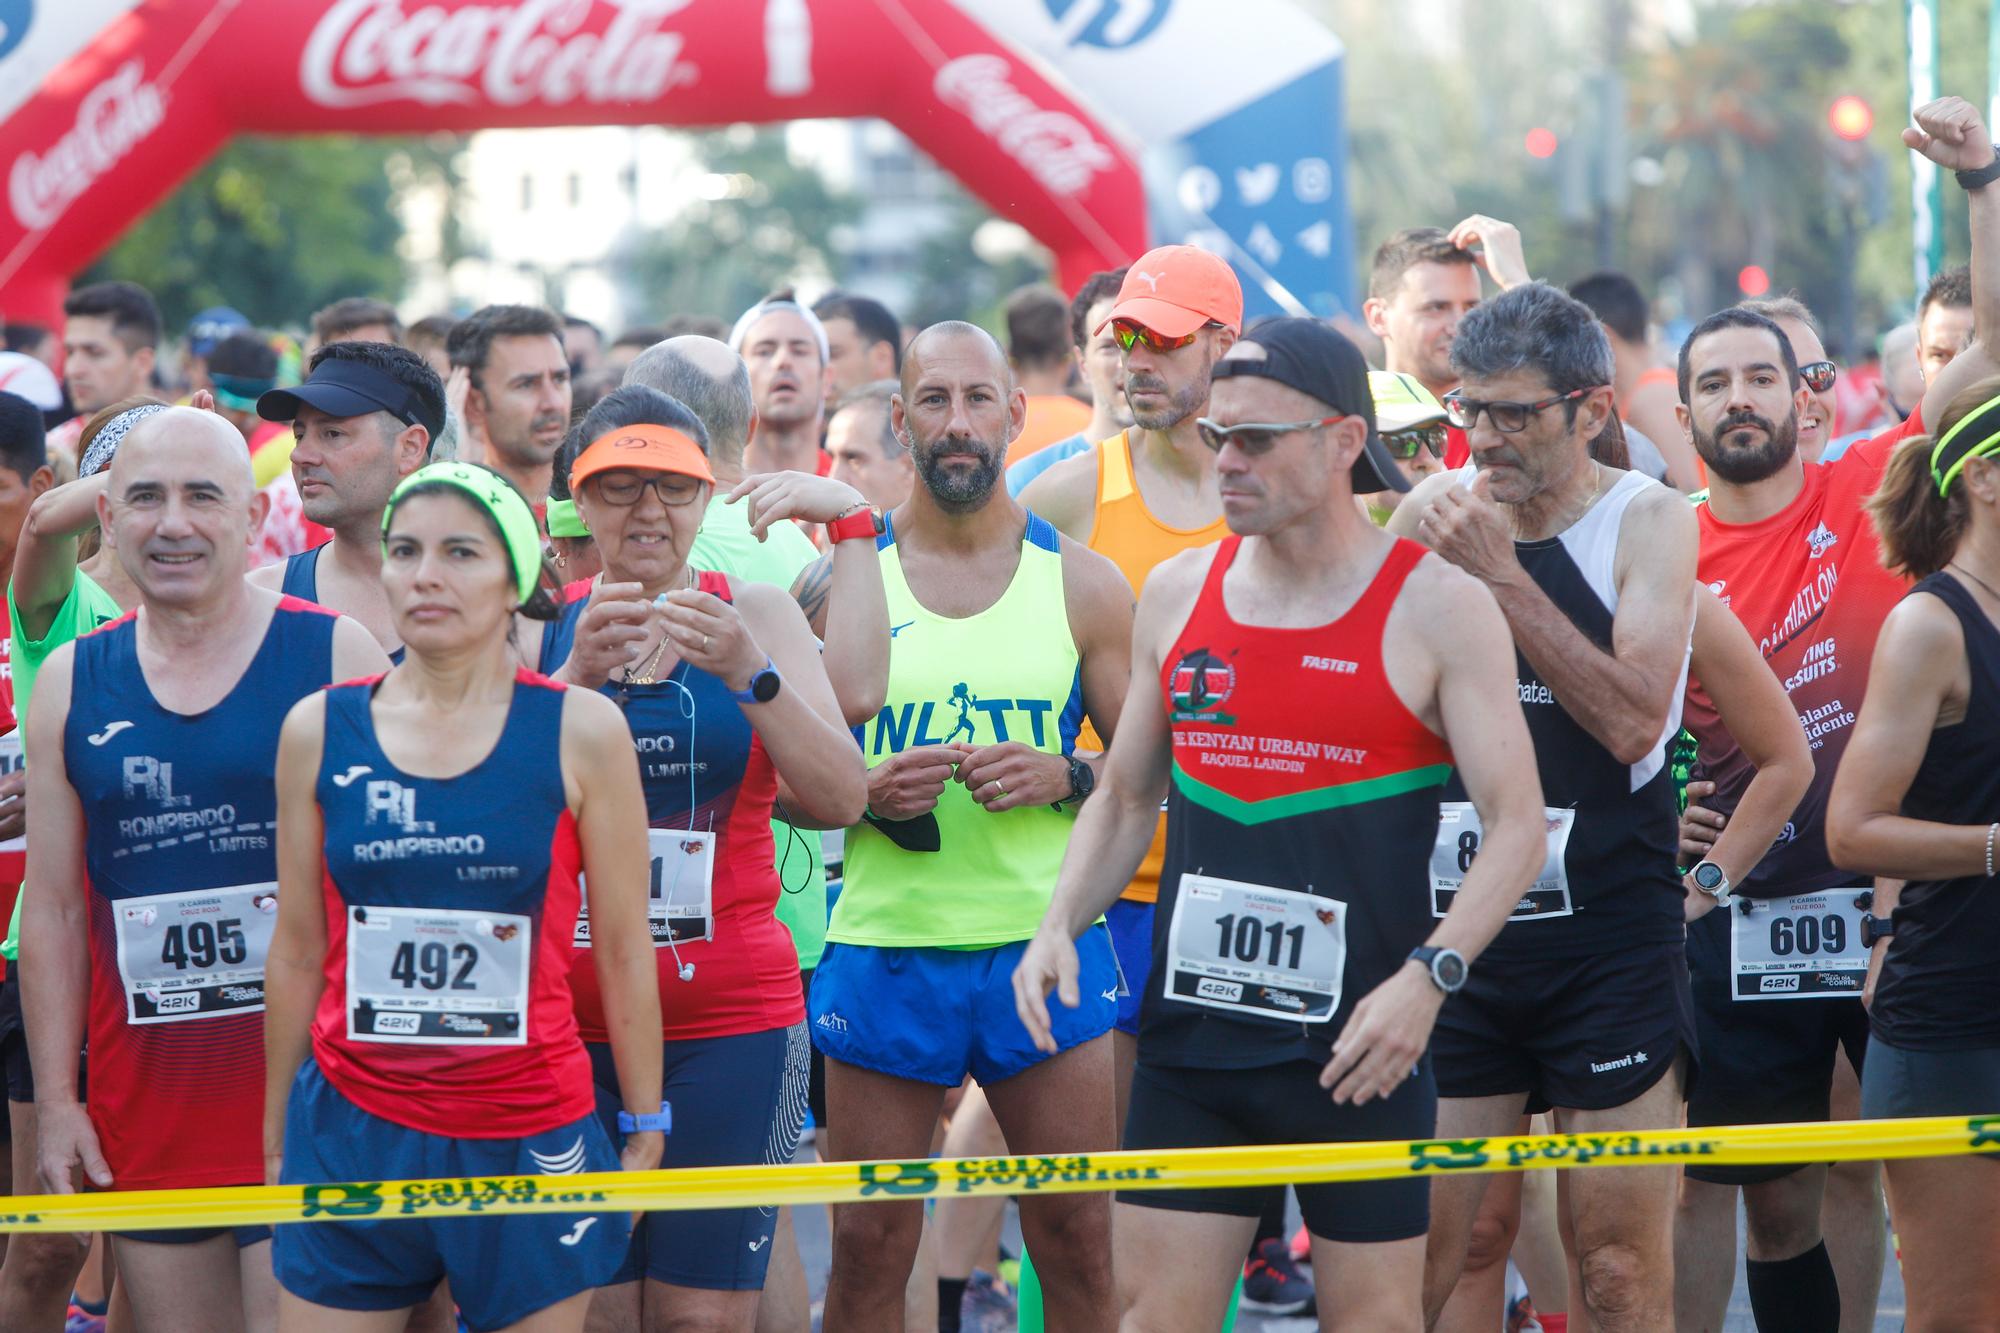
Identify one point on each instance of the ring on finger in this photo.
(998, 790)
(704, 643)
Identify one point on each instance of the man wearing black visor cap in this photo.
(363, 420)
(1300, 693)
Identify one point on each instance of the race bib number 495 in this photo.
(196, 954)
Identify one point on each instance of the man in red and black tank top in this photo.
(1582, 1005)
(1290, 695)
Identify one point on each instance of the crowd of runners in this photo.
(482, 750)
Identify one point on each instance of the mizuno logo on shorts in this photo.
(110, 729)
(565, 1163)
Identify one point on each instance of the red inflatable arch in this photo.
(143, 103)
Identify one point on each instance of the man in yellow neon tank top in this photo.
(1144, 495)
(1004, 634)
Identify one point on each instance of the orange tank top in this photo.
(1128, 535)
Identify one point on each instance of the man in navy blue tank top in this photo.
(154, 818)
(1581, 1005)
(364, 419)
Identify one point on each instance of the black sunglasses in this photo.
(1403, 445)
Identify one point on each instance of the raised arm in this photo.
(1765, 726)
(295, 968)
(1951, 133)
(1918, 681)
(45, 558)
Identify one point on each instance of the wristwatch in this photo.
(1447, 967)
(863, 522)
(661, 1121)
(764, 684)
(1875, 928)
(1709, 878)
(1982, 177)
(1081, 782)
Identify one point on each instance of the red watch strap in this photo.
(860, 523)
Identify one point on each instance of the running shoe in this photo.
(1272, 1283)
(989, 1305)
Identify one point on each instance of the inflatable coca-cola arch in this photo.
(107, 104)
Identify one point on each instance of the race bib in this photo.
(1806, 947)
(12, 760)
(1251, 949)
(198, 954)
(1459, 835)
(680, 890)
(437, 976)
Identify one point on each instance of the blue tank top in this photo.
(704, 769)
(302, 581)
(180, 819)
(463, 893)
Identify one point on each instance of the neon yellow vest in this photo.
(1008, 673)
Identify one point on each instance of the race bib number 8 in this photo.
(1806, 947)
(435, 976)
(1251, 949)
(680, 889)
(1459, 836)
(197, 954)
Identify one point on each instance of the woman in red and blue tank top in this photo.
(729, 709)
(434, 827)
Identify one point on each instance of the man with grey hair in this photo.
(1582, 1003)
(864, 447)
(167, 720)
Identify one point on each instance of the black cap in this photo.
(1311, 356)
(342, 388)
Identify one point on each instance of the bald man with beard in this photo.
(152, 827)
(1004, 635)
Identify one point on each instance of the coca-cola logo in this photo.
(112, 118)
(367, 51)
(1054, 147)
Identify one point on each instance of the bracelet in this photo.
(1982, 176)
(1991, 830)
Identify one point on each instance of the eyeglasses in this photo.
(1507, 418)
(622, 489)
(1820, 375)
(1254, 438)
(1129, 334)
(1404, 444)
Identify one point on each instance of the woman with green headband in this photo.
(1918, 798)
(436, 826)
(571, 547)
(720, 683)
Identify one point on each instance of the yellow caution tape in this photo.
(852, 1182)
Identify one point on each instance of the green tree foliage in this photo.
(274, 227)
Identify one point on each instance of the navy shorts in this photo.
(1180, 1107)
(737, 1101)
(245, 1237)
(1586, 1034)
(1763, 1062)
(936, 1015)
(502, 1268)
(1131, 926)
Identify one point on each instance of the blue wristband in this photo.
(661, 1121)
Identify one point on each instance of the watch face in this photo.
(1450, 969)
(1708, 875)
(764, 686)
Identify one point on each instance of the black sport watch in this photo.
(1082, 782)
(1447, 967)
(1982, 177)
(1874, 928)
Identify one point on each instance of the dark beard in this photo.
(958, 491)
(1747, 464)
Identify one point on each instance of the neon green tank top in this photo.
(1009, 673)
